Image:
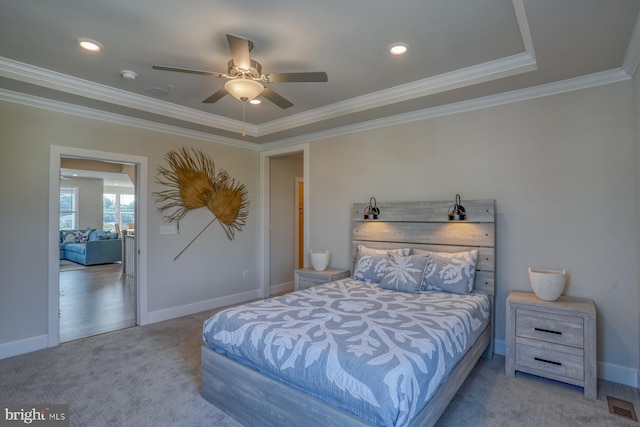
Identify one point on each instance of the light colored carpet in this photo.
(150, 376)
(66, 265)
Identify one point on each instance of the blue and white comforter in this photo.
(377, 353)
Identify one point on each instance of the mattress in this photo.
(379, 354)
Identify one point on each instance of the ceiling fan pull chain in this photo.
(243, 125)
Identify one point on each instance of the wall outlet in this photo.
(168, 229)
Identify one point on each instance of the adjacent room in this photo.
(360, 213)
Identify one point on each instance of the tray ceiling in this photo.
(459, 51)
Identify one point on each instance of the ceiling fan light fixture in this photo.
(255, 102)
(244, 89)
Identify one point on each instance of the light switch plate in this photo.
(168, 229)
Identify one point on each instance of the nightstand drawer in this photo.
(554, 328)
(549, 358)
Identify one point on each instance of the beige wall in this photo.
(211, 268)
(636, 92)
(562, 170)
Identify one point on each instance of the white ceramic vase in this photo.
(319, 260)
(547, 284)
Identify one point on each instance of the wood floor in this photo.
(95, 300)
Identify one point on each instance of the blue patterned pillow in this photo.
(404, 273)
(451, 272)
(370, 263)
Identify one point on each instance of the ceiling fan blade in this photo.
(319, 76)
(276, 99)
(188, 70)
(216, 96)
(239, 48)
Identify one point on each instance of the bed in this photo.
(294, 379)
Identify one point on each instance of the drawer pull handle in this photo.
(549, 331)
(548, 361)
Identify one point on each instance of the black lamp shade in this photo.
(457, 212)
(371, 211)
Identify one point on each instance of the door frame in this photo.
(297, 248)
(56, 153)
(264, 221)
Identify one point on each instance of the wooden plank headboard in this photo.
(425, 225)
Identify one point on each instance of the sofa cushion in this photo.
(79, 248)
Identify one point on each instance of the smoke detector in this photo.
(128, 74)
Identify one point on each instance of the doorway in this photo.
(98, 279)
(97, 287)
(272, 214)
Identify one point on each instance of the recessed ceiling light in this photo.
(255, 101)
(398, 48)
(90, 45)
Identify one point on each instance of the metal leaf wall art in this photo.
(193, 183)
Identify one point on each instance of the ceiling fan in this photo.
(245, 79)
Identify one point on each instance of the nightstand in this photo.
(308, 277)
(552, 339)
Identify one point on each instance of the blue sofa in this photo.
(90, 246)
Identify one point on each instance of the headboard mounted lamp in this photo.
(372, 211)
(457, 211)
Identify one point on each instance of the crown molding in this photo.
(492, 70)
(632, 55)
(578, 83)
(53, 80)
(569, 85)
(89, 113)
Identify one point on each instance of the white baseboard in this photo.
(197, 307)
(618, 374)
(606, 371)
(27, 345)
(282, 287)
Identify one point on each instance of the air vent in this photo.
(622, 408)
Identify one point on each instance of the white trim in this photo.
(523, 23)
(632, 55)
(577, 83)
(263, 225)
(282, 287)
(200, 306)
(504, 67)
(618, 374)
(296, 220)
(89, 113)
(56, 152)
(16, 70)
(27, 345)
(569, 85)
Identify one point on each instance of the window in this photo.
(118, 209)
(127, 210)
(68, 207)
(109, 211)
